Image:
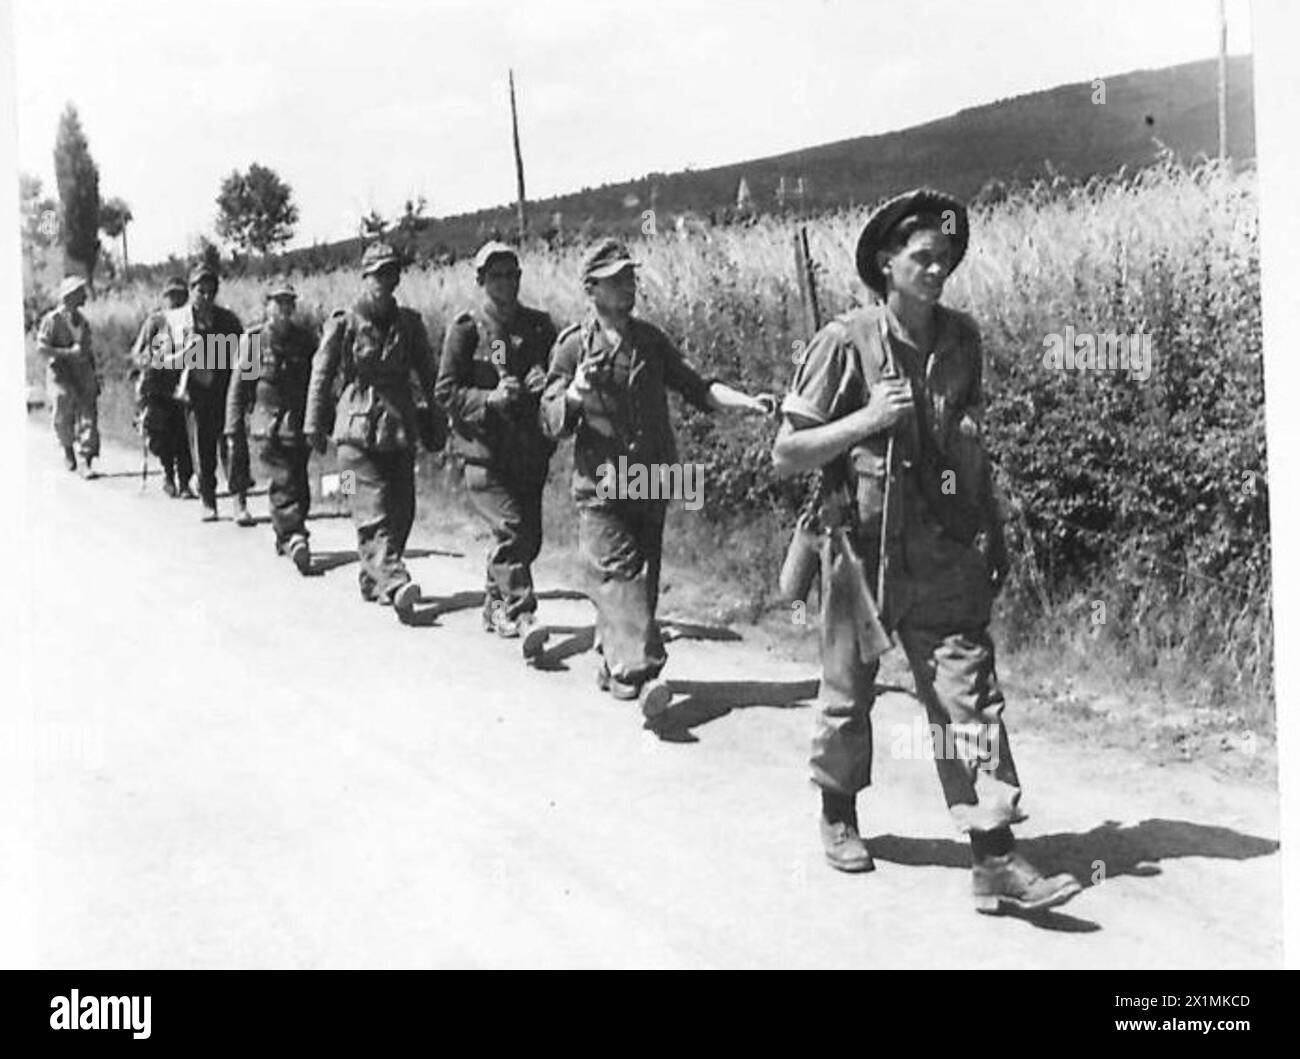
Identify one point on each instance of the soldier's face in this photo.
(281, 308)
(920, 269)
(616, 293)
(500, 281)
(204, 293)
(76, 299)
(175, 298)
(381, 283)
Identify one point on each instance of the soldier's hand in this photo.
(506, 393)
(576, 393)
(890, 402)
(766, 404)
(535, 380)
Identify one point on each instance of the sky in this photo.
(359, 106)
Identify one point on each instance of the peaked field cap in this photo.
(70, 285)
(201, 272)
(377, 256)
(175, 284)
(282, 290)
(492, 249)
(608, 259)
(876, 231)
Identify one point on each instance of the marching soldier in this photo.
(888, 402)
(375, 346)
(493, 371)
(204, 388)
(162, 414)
(71, 378)
(608, 386)
(270, 408)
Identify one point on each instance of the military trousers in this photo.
(511, 505)
(168, 438)
(208, 412)
(383, 511)
(74, 403)
(938, 601)
(289, 491)
(621, 542)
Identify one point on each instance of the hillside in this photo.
(1059, 130)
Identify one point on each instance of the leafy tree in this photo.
(256, 210)
(114, 216)
(78, 180)
(40, 217)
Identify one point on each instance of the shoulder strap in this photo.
(869, 332)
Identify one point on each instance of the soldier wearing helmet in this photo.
(71, 378)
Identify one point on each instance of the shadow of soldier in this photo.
(707, 700)
(1106, 852)
(324, 561)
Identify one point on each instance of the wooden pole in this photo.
(1223, 80)
(519, 162)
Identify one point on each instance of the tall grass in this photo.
(1148, 496)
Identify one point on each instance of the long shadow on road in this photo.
(1107, 851)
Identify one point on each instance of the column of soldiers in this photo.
(901, 377)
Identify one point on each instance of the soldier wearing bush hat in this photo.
(887, 402)
(490, 380)
(161, 415)
(375, 345)
(267, 401)
(608, 386)
(71, 377)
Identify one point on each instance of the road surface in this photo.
(240, 767)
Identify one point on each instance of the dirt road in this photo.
(241, 767)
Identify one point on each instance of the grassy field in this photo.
(1146, 496)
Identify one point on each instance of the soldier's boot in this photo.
(243, 517)
(299, 553)
(169, 482)
(69, 457)
(620, 689)
(88, 471)
(404, 601)
(209, 509)
(1011, 881)
(845, 850)
(183, 489)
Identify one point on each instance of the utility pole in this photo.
(1223, 80)
(519, 162)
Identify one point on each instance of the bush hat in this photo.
(875, 233)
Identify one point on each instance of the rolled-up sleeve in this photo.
(824, 379)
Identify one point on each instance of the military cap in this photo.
(608, 259)
(201, 272)
(282, 290)
(175, 284)
(70, 285)
(377, 256)
(490, 250)
(875, 233)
